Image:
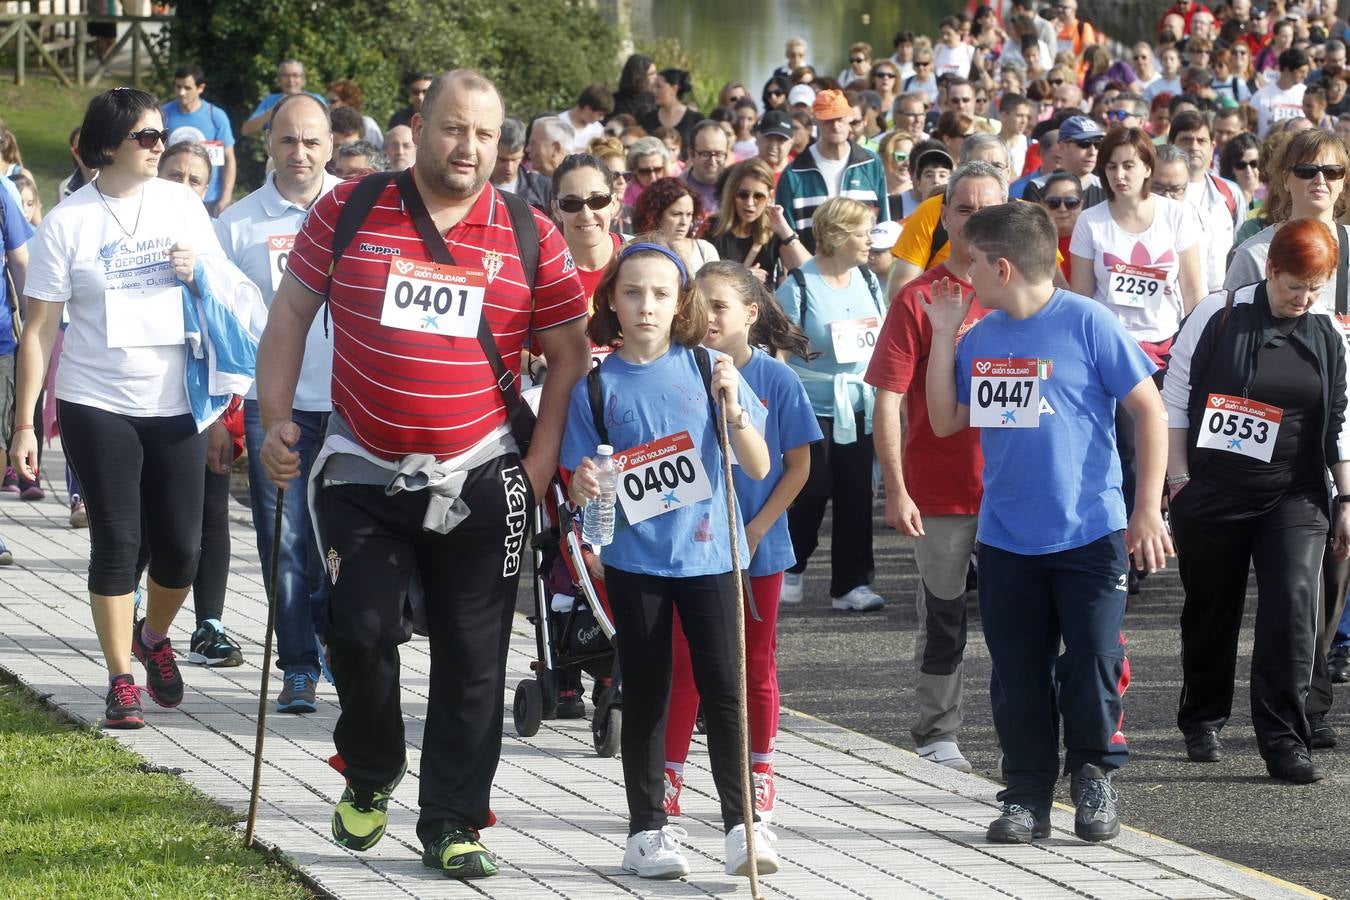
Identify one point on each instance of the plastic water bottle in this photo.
(597, 521)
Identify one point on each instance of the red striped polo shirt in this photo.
(405, 392)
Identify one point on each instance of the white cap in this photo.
(884, 235)
(801, 94)
(604, 450)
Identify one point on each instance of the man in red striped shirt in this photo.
(421, 492)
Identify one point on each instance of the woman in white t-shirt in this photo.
(117, 254)
(1137, 253)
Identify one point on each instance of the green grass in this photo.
(80, 818)
(41, 114)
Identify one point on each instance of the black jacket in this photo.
(1216, 354)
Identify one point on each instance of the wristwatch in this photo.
(742, 421)
(790, 238)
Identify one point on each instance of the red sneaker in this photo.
(123, 708)
(765, 794)
(161, 668)
(674, 782)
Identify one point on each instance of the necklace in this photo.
(120, 226)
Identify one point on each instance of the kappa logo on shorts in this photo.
(1123, 583)
(334, 563)
(517, 518)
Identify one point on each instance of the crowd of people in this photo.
(1037, 286)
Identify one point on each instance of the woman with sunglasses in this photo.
(923, 80)
(751, 228)
(671, 209)
(775, 93)
(1240, 163)
(1063, 196)
(1311, 173)
(648, 160)
(116, 255)
(885, 80)
(859, 65)
(895, 153)
(1256, 403)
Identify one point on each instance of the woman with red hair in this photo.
(671, 209)
(1256, 403)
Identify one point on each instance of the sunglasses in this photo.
(775, 93)
(710, 155)
(922, 65)
(1118, 115)
(1083, 145)
(900, 156)
(597, 202)
(622, 176)
(747, 196)
(1308, 171)
(886, 75)
(148, 137)
(856, 60)
(1245, 164)
(1056, 82)
(1065, 202)
(649, 170)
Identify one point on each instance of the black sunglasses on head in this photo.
(148, 137)
(596, 202)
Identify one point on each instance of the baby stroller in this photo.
(573, 627)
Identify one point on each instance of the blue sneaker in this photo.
(323, 660)
(297, 693)
(6, 558)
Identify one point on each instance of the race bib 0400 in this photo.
(1005, 393)
(426, 297)
(660, 476)
(1241, 426)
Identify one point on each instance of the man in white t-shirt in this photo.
(1219, 202)
(1014, 116)
(257, 233)
(587, 116)
(1282, 98)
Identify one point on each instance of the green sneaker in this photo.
(459, 854)
(360, 817)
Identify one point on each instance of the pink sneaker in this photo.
(765, 794)
(11, 483)
(674, 782)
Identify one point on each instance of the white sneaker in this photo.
(861, 599)
(945, 753)
(766, 858)
(656, 853)
(792, 589)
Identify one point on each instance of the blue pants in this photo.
(1028, 604)
(302, 589)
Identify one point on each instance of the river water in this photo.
(743, 40)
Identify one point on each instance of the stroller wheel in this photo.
(528, 708)
(605, 734)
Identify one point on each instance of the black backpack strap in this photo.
(595, 394)
(940, 240)
(800, 278)
(526, 230)
(352, 216)
(873, 288)
(703, 359)
(1342, 271)
(518, 412)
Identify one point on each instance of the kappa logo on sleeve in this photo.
(333, 563)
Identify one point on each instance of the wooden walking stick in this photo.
(266, 667)
(742, 707)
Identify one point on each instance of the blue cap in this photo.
(1080, 128)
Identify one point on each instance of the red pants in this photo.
(761, 672)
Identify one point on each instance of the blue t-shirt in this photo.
(214, 125)
(643, 403)
(1055, 487)
(790, 423)
(825, 304)
(17, 233)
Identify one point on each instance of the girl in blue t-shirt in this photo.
(671, 547)
(746, 321)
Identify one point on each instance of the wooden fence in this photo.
(60, 43)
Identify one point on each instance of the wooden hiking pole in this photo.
(742, 706)
(266, 666)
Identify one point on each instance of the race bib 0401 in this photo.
(854, 339)
(660, 476)
(1241, 426)
(279, 247)
(1005, 393)
(1139, 287)
(430, 298)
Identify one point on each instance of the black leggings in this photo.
(643, 612)
(213, 570)
(841, 473)
(129, 465)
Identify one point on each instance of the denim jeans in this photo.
(302, 589)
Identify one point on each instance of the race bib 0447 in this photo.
(1241, 426)
(426, 297)
(1005, 393)
(660, 476)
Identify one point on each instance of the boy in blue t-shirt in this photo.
(1040, 376)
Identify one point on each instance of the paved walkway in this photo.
(856, 818)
